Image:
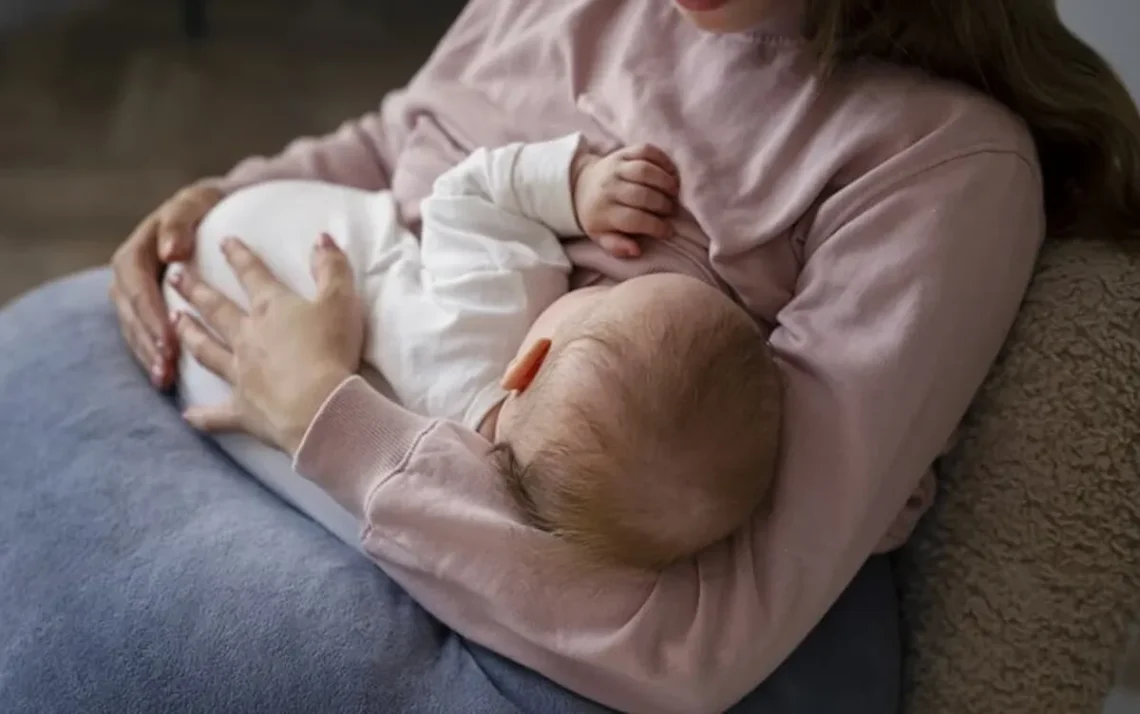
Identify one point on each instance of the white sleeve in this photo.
(449, 318)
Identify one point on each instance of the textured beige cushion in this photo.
(1021, 584)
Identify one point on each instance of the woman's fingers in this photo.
(176, 230)
(136, 295)
(138, 340)
(137, 265)
(257, 280)
(331, 270)
(176, 239)
(136, 270)
(179, 219)
(216, 309)
(202, 346)
(214, 419)
(150, 309)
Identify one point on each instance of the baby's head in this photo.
(644, 420)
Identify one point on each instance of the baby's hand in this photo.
(625, 195)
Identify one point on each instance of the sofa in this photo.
(1021, 586)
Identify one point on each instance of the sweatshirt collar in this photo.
(785, 23)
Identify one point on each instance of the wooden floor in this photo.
(105, 114)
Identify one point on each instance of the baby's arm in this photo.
(447, 323)
(560, 184)
(625, 195)
(519, 193)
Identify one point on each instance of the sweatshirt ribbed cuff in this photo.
(355, 442)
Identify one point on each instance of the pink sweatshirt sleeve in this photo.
(358, 154)
(907, 292)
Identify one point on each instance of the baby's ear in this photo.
(522, 370)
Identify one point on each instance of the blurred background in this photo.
(109, 106)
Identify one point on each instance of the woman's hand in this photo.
(286, 356)
(165, 236)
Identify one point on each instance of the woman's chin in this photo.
(723, 16)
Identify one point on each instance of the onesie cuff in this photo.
(542, 183)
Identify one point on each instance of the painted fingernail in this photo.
(325, 241)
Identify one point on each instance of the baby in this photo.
(639, 421)
(642, 421)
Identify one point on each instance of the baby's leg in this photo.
(280, 221)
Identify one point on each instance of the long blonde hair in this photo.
(1086, 126)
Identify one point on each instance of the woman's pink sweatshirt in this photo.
(884, 225)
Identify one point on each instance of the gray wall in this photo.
(1113, 27)
(17, 14)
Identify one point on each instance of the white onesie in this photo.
(446, 313)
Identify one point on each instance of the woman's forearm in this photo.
(437, 522)
(358, 154)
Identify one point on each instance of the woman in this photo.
(845, 177)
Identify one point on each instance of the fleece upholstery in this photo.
(1020, 586)
(142, 572)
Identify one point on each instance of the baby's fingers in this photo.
(650, 153)
(619, 246)
(645, 173)
(634, 221)
(635, 195)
